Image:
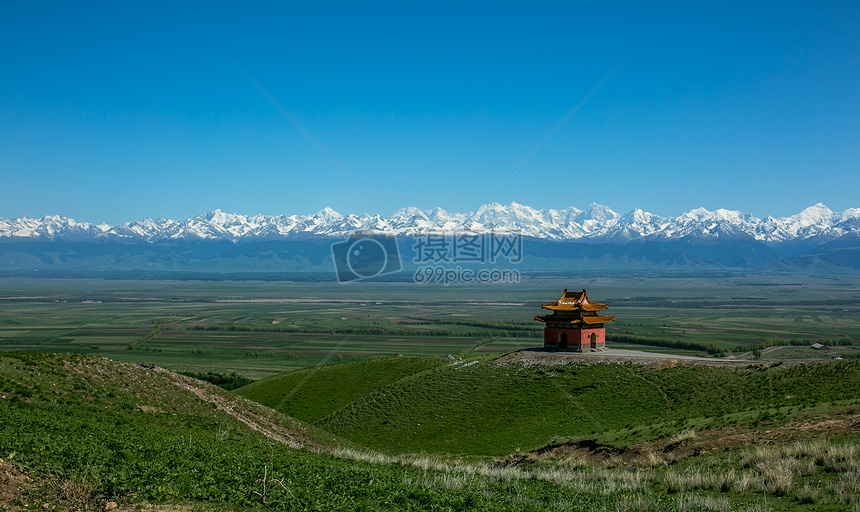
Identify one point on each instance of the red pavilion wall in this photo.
(577, 339)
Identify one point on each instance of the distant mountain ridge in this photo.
(596, 238)
(814, 225)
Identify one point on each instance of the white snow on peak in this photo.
(816, 214)
(850, 213)
(599, 213)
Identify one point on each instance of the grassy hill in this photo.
(313, 393)
(486, 407)
(87, 430)
(77, 431)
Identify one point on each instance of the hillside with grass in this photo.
(491, 406)
(313, 393)
(78, 432)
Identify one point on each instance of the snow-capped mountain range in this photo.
(596, 223)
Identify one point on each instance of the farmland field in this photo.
(260, 328)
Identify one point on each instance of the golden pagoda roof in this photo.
(574, 301)
(588, 320)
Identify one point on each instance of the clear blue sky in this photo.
(117, 111)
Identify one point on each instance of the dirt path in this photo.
(253, 415)
(530, 357)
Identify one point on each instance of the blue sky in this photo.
(113, 112)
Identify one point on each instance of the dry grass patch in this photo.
(12, 483)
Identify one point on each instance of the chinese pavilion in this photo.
(574, 324)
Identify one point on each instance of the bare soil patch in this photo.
(150, 409)
(12, 483)
(529, 357)
(691, 444)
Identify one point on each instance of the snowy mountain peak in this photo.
(598, 212)
(328, 213)
(638, 216)
(815, 213)
(408, 212)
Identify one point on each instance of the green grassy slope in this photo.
(483, 408)
(131, 434)
(89, 430)
(313, 393)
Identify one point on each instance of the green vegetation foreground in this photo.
(89, 430)
(94, 430)
(494, 406)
